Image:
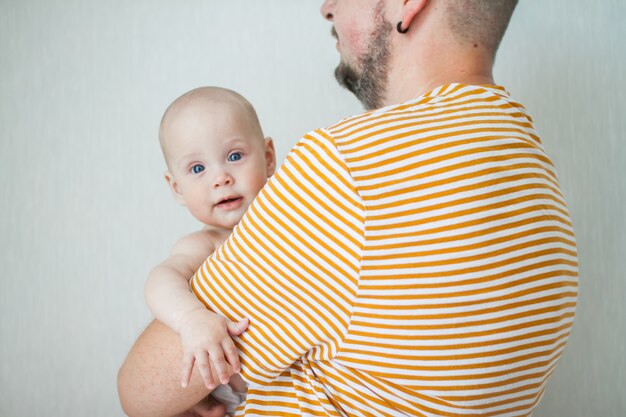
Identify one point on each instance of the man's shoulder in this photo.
(348, 123)
(359, 124)
(444, 104)
(335, 135)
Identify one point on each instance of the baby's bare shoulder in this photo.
(200, 243)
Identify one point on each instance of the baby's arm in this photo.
(202, 332)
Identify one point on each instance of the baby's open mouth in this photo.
(229, 201)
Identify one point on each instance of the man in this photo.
(414, 260)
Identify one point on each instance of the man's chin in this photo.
(347, 77)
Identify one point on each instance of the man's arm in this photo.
(149, 380)
(291, 266)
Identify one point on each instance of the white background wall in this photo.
(85, 212)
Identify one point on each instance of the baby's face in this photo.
(218, 162)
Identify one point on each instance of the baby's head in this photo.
(217, 158)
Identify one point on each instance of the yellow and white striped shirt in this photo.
(415, 260)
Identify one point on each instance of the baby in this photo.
(217, 161)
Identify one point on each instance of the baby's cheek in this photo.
(257, 180)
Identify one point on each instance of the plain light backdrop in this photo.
(85, 212)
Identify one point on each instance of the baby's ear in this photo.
(171, 182)
(270, 157)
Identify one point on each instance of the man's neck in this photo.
(413, 74)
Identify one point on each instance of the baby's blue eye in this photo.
(196, 169)
(235, 156)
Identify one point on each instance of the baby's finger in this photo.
(232, 354)
(188, 361)
(202, 362)
(235, 328)
(219, 364)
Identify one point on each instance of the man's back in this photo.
(430, 270)
(468, 282)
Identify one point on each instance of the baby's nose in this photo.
(222, 180)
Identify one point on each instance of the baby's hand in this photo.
(206, 335)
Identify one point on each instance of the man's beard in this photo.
(369, 81)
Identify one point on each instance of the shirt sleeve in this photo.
(292, 264)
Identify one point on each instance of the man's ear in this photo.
(171, 182)
(410, 9)
(270, 157)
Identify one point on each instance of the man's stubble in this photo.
(368, 79)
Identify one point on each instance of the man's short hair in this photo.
(481, 22)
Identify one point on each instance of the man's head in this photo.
(217, 157)
(479, 22)
(370, 45)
